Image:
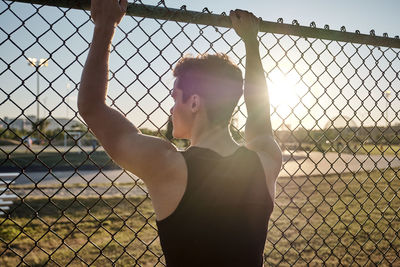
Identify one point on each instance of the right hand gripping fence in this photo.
(335, 107)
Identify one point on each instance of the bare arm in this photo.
(258, 132)
(106, 15)
(256, 94)
(120, 138)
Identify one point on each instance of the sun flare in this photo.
(285, 91)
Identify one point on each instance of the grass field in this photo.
(379, 149)
(348, 220)
(356, 148)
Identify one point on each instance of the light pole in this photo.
(37, 64)
(66, 99)
(387, 96)
(66, 111)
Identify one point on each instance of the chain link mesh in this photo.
(334, 108)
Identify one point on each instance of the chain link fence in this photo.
(334, 107)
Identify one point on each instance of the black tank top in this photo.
(222, 218)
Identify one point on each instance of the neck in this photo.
(216, 138)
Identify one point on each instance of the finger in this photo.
(93, 3)
(123, 4)
(238, 12)
(233, 16)
(242, 12)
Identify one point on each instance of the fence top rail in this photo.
(207, 18)
(183, 15)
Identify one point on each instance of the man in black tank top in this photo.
(213, 200)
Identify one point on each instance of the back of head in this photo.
(215, 79)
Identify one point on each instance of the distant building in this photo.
(25, 123)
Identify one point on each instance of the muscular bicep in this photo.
(143, 155)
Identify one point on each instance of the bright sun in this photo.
(284, 91)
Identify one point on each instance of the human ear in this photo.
(195, 103)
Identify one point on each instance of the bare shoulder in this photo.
(270, 156)
(148, 157)
(168, 184)
(266, 144)
(174, 160)
(168, 170)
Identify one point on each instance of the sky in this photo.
(68, 49)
